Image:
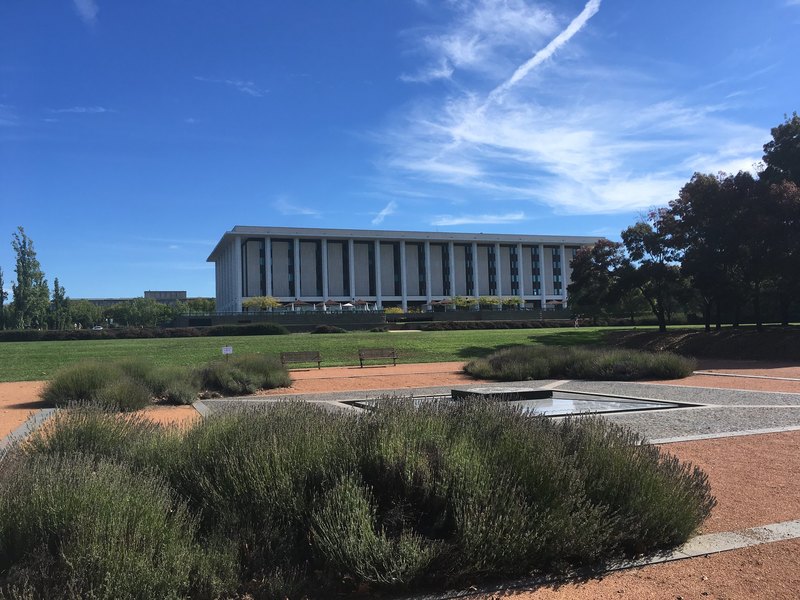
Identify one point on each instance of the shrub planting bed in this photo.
(132, 384)
(522, 363)
(297, 501)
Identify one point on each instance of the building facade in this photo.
(390, 268)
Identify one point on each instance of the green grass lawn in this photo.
(26, 361)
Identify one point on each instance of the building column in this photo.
(403, 280)
(297, 290)
(498, 271)
(268, 265)
(378, 290)
(324, 267)
(451, 255)
(563, 251)
(542, 286)
(351, 265)
(237, 274)
(520, 278)
(427, 271)
(476, 291)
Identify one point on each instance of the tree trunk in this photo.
(662, 320)
(757, 306)
(784, 302)
(718, 324)
(707, 316)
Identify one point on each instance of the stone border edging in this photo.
(713, 374)
(200, 407)
(701, 545)
(31, 424)
(725, 434)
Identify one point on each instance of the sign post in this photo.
(226, 351)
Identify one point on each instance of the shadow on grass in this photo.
(481, 351)
(571, 337)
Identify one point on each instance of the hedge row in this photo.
(125, 333)
(456, 325)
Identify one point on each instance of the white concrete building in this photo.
(390, 268)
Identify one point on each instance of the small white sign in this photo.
(227, 349)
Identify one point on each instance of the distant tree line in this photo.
(32, 306)
(722, 247)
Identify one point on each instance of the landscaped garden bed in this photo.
(297, 500)
(524, 363)
(133, 384)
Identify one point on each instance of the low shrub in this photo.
(79, 382)
(124, 394)
(328, 329)
(180, 393)
(318, 503)
(244, 374)
(521, 363)
(74, 527)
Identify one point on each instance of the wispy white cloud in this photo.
(480, 36)
(8, 116)
(285, 207)
(389, 209)
(556, 131)
(430, 73)
(87, 10)
(84, 110)
(591, 8)
(453, 220)
(244, 86)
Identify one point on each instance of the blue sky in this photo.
(133, 134)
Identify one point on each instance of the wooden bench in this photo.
(301, 357)
(376, 354)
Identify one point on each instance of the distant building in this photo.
(390, 268)
(166, 297)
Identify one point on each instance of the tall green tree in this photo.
(702, 224)
(594, 289)
(84, 314)
(651, 265)
(784, 198)
(31, 292)
(754, 222)
(3, 298)
(196, 305)
(782, 154)
(140, 312)
(59, 307)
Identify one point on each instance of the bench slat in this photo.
(301, 357)
(376, 353)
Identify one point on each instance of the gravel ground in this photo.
(722, 410)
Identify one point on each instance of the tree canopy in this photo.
(31, 292)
